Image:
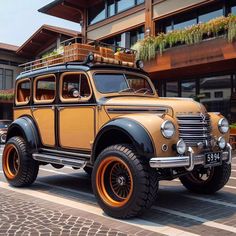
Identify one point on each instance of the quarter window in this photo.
(45, 89)
(23, 92)
(75, 87)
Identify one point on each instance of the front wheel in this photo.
(19, 168)
(207, 181)
(123, 183)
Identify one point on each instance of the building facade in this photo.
(204, 71)
(9, 62)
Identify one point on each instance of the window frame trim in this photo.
(74, 100)
(36, 101)
(16, 92)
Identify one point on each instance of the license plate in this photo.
(213, 158)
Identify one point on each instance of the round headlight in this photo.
(3, 138)
(221, 142)
(167, 129)
(223, 125)
(181, 147)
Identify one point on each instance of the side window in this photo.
(45, 89)
(23, 92)
(74, 87)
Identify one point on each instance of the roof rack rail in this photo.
(72, 50)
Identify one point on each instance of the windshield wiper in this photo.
(146, 90)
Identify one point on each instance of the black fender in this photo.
(26, 128)
(137, 134)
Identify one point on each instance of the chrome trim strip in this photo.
(66, 153)
(229, 149)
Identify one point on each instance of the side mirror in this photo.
(74, 93)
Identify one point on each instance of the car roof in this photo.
(74, 66)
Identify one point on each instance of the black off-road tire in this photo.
(28, 167)
(145, 182)
(217, 181)
(88, 170)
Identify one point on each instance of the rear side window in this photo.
(45, 89)
(23, 92)
(75, 87)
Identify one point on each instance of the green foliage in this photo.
(148, 48)
(233, 126)
(6, 97)
(55, 52)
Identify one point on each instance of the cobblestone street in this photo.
(61, 202)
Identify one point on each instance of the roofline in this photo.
(47, 27)
(45, 8)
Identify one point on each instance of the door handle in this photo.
(53, 108)
(34, 109)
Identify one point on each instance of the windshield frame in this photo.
(125, 73)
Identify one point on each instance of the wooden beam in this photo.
(149, 25)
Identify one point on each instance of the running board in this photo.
(65, 161)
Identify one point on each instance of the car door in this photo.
(43, 109)
(76, 114)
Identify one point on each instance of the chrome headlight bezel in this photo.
(221, 143)
(181, 147)
(223, 125)
(166, 127)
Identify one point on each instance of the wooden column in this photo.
(149, 25)
(84, 25)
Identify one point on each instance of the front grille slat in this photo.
(195, 129)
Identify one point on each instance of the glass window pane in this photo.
(136, 35)
(210, 15)
(185, 24)
(188, 89)
(9, 79)
(233, 10)
(23, 91)
(124, 4)
(1, 78)
(140, 1)
(111, 7)
(45, 89)
(172, 89)
(219, 88)
(97, 13)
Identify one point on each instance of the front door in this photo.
(76, 114)
(43, 110)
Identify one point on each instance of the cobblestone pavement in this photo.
(20, 217)
(61, 202)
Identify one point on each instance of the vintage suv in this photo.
(104, 115)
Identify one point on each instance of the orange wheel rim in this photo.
(114, 182)
(11, 161)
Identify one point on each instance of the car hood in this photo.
(142, 104)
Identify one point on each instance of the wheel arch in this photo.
(25, 128)
(123, 130)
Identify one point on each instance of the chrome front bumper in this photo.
(187, 161)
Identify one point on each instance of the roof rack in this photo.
(73, 50)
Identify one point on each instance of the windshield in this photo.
(4, 124)
(122, 83)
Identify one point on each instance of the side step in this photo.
(59, 160)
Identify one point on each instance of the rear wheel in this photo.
(19, 168)
(208, 180)
(123, 182)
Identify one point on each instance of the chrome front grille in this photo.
(195, 129)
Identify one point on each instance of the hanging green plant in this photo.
(148, 48)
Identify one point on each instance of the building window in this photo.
(136, 35)
(9, 79)
(1, 79)
(172, 89)
(124, 4)
(97, 13)
(190, 18)
(108, 8)
(188, 89)
(220, 89)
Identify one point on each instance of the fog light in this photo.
(221, 142)
(3, 138)
(140, 64)
(181, 147)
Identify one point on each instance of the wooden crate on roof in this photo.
(78, 52)
(127, 59)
